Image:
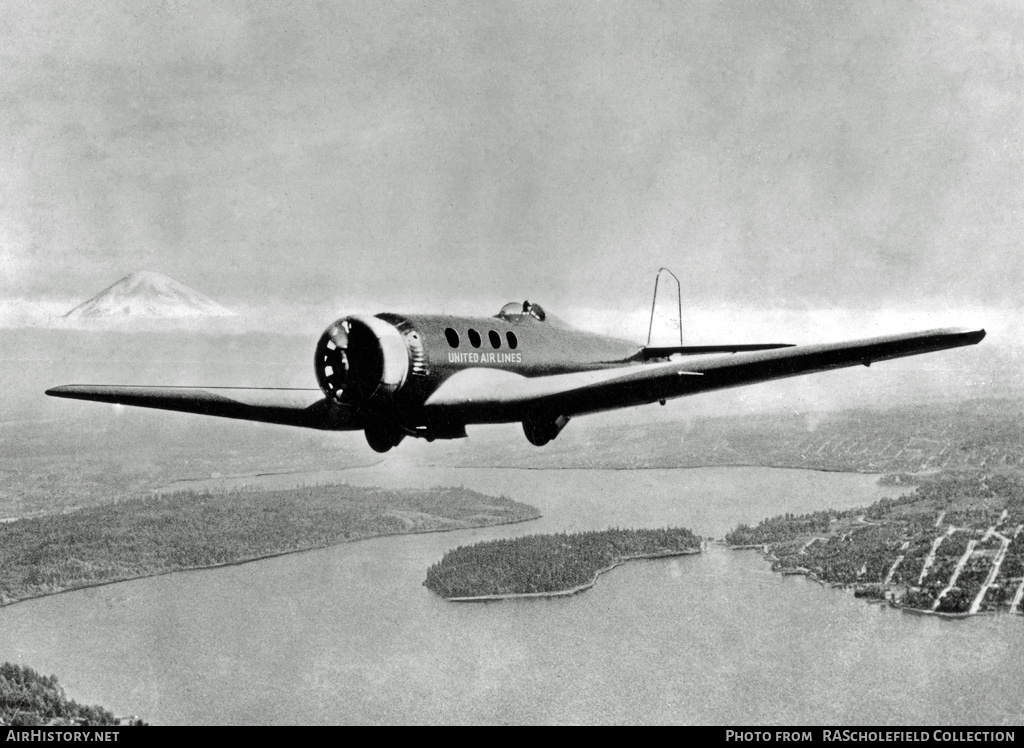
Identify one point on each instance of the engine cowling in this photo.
(361, 359)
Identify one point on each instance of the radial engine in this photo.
(363, 362)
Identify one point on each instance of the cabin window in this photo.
(495, 339)
(453, 337)
(474, 338)
(513, 343)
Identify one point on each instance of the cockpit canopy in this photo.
(514, 309)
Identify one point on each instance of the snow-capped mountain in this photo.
(148, 295)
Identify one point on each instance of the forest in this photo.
(170, 532)
(30, 699)
(548, 563)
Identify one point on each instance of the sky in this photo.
(833, 161)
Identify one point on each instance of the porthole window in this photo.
(513, 343)
(495, 339)
(453, 337)
(474, 338)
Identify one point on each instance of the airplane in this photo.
(430, 375)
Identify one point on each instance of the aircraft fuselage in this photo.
(439, 348)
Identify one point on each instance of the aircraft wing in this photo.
(289, 407)
(490, 395)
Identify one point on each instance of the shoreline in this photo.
(573, 590)
(941, 614)
(173, 487)
(254, 559)
(168, 489)
(806, 573)
(434, 466)
(641, 468)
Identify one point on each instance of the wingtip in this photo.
(64, 390)
(967, 335)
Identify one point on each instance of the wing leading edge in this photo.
(482, 395)
(488, 396)
(288, 407)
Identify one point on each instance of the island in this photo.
(29, 699)
(172, 532)
(952, 546)
(548, 565)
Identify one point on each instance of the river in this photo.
(348, 634)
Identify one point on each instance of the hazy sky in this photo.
(454, 155)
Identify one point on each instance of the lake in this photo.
(349, 635)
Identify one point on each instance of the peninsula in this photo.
(29, 699)
(953, 546)
(548, 565)
(173, 532)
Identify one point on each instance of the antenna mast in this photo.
(654, 299)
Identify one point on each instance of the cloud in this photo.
(781, 156)
(28, 313)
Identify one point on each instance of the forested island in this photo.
(172, 532)
(954, 545)
(31, 700)
(565, 563)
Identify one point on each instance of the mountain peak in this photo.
(148, 295)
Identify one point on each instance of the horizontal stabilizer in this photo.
(288, 407)
(653, 352)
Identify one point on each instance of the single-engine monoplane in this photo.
(429, 375)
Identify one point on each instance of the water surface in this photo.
(349, 635)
